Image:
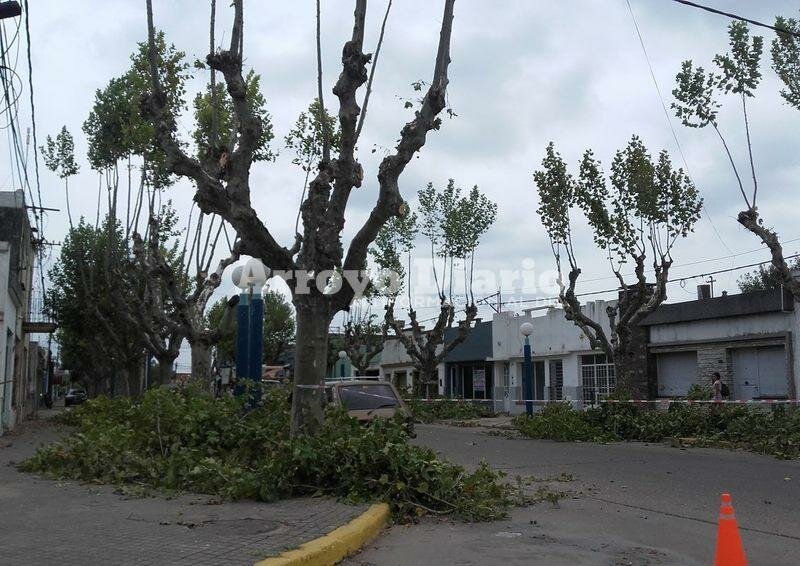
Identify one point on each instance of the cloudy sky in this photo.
(523, 73)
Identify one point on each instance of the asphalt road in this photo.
(634, 504)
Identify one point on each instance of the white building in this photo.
(564, 365)
(18, 392)
(749, 339)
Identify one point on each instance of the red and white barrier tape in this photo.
(619, 401)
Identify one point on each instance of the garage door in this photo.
(677, 371)
(760, 372)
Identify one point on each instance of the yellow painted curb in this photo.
(337, 544)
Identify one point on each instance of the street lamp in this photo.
(250, 278)
(9, 10)
(342, 356)
(527, 378)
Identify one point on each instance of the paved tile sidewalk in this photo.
(44, 521)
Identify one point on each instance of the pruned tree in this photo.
(453, 225)
(739, 74)
(59, 157)
(645, 210)
(224, 188)
(363, 335)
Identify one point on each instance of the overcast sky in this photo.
(523, 73)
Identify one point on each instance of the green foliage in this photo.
(115, 128)
(454, 223)
(764, 278)
(59, 154)
(189, 441)
(740, 72)
(699, 392)
(394, 239)
(448, 409)
(204, 106)
(648, 204)
(558, 421)
(305, 139)
(786, 59)
(694, 90)
(694, 96)
(775, 432)
(85, 286)
(279, 328)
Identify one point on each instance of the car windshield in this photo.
(367, 396)
(76, 392)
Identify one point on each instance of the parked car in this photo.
(74, 397)
(368, 399)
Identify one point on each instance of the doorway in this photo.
(759, 373)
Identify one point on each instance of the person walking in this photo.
(716, 386)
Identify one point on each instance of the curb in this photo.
(337, 544)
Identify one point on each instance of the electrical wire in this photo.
(707, 214)
(735, 17)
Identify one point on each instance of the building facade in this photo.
(18, 384)
(749, 339)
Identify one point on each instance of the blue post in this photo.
(242, 332)
(255, 344)
(527, 379)
(341, 367)
(242, 344)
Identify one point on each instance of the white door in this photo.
(772, 379)
(745, 373)
(759, 372)
(677, 371)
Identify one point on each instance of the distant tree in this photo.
(279, 326)
(363, 336)
(635, 222)
(739, 74)
(454, 225)
(764, 278)
(96, 338)
(59, 157)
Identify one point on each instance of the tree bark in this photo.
(311, 354)
(163, 372)
(751, 221)
(201, 362)
(428, 376)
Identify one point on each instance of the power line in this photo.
(675, 280)
(669, 120)
(33, 106)
(735, 17)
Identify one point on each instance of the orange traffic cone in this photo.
(730, 551)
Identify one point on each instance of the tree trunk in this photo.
(422, 386)
(135, 381)
(630, 367)
(163, 374)
(311, 356)
(201, 363)
(121, 385)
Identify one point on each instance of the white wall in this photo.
(554, 334)
(554, 337)
(8, 319)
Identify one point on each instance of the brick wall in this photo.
(711, 358)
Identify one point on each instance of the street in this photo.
(633, 504)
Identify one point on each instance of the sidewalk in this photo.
(44, 522)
